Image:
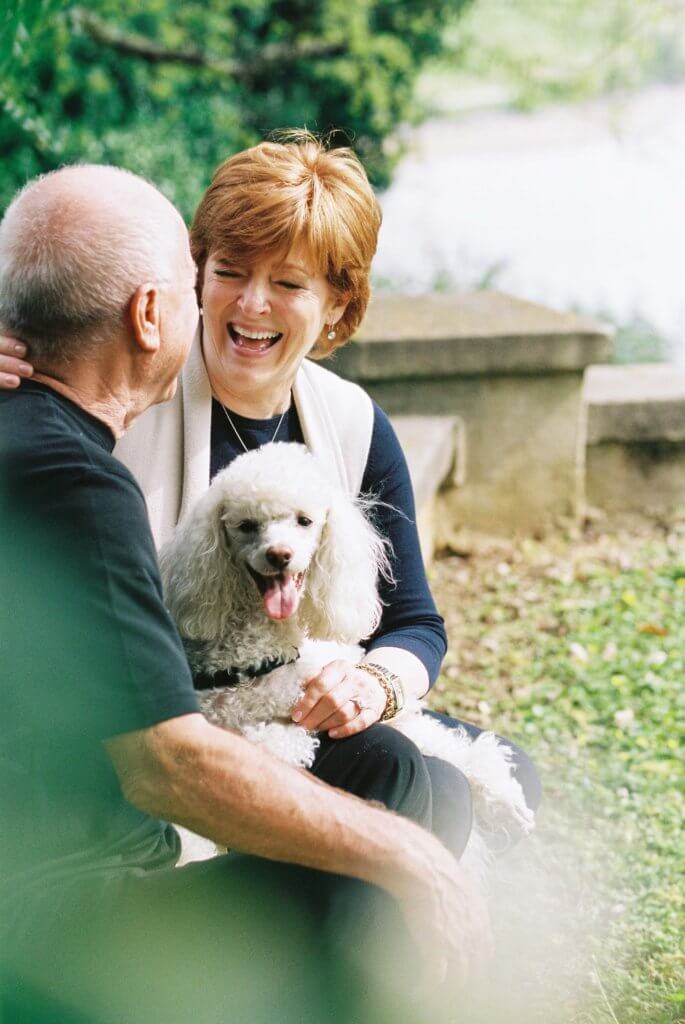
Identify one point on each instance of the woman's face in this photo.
(260, 320)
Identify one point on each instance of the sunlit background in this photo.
(532, 146)
(552, 165)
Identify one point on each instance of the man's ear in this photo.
(144, 314)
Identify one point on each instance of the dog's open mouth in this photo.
(281, 592)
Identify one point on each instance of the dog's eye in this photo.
(304, 521)
(248, 526)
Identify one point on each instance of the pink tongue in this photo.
(281, 598)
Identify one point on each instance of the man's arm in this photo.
(219, 785)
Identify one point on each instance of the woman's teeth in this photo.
(255, 341)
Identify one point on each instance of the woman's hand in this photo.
(342, 700)
(12, 366)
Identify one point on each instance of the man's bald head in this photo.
(74, 247)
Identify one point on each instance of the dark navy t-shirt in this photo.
(410, 619)
(87, 648)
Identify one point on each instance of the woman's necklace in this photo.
(235, 429)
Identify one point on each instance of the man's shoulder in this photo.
(39, 430)
(52, 458)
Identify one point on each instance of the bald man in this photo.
(102, 740)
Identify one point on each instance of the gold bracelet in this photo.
(385, 677)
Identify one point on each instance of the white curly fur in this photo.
(288, 501)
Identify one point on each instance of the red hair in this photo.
(276, 195)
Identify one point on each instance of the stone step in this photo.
(635, 456)
(642, 402)
(435, 449)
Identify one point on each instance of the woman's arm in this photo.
(410, 624)
(410, 640)
(13, 365)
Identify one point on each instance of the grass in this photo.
(575, 647)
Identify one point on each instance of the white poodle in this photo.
(273, 575)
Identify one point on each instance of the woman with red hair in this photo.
(283, 240)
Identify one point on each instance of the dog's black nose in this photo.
(279, 557)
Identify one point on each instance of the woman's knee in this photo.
(452, 804)
(523, 768)
(397, 763)
(380, 764)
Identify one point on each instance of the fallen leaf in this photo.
(651, 627)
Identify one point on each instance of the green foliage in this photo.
(530, 52)
(575, 646)
(639, 341)
(170, 90)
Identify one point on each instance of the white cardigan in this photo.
(168, 448)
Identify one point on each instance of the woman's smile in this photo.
(250, 341)
(260, 320)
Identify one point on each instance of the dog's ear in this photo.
(341, 600)
(200, 575)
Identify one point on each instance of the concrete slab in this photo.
(637, 403)
(646, 478)
(434, 447)
(512, 371)
(468, 334)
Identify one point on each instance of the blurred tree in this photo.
(169, 90)
(532, 52)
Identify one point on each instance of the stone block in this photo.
(642, 402)
(512, 371)
(636, 438)
(468, 334)
(435, 450)
(646, 478)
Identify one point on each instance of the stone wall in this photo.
(636, 438)
(512, 371)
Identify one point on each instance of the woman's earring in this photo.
(331, 334)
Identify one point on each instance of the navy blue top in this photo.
(410, 619)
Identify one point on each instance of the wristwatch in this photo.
(391, 683)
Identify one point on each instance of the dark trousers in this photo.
(234, 940)
(383, 765)
(240, 940)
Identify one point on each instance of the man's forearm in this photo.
(223, 787)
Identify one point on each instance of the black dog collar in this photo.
(235, 676)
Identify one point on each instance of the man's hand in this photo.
(220, 786)
(446, 914)
(12, 363)
(342, 700)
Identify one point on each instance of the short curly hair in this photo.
(282, 193)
